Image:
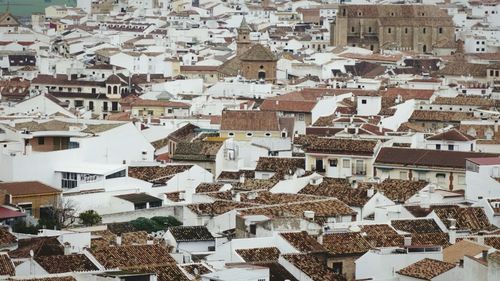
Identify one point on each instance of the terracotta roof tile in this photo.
(471, 218)
(6, 266)
(28, 188)
(312, 267)
(416, 225)
(451, 135)
(191, 233)
(426, 157)
(133, 256)
(6, 238)
(323, 209)
(340, 146)
(66, 263)
(426, 269)
(157, 174)
(280, 164)
(246, 120)
(347, 243)
(400, 190)
(338, 188)
(265, 254)
(303, 242)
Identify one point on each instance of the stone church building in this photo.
(418, 28)
(252, 61)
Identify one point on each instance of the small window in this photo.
(346, 163)
(363, 101)
(333, 162)
(231, 134)
(41, 140)
(403, 175)
(438, 147)
(440, 30)
(268, 134)
(451, 147)
(424, 30)
(249, 134)
(406, 30)
(389, 30)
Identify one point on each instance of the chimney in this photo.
(114, 69)
(432, 188)
(370, 192)
(407, 241)
(28, 149)
(277, 102)
(237, 197)
(452, 233)
(320, 239)
(484, 255)
(54, 74)
(242, 178)
(148, 77)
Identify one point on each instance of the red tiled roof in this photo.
(22, 188)
(287, 106)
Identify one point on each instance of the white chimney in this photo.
(320, 239)
(237, 197)
(452, 233)
(407, 241)
(148, 77)
(242, 178)
(309, 214)
(149, 118)
(370, 192)
(432, 188)
(28, 149)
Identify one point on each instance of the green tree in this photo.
(154, 224)
(89, 218)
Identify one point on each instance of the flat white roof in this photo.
(91, 168)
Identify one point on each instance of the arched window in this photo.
(109, 89)
(389, 30)
(115, 90)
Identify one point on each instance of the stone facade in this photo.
(418, 28)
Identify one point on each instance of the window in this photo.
(369, 29)
(119, 174)
(78, 103)
(406, 30)
(231, 134)
(170, 111)
(155, 204)
(267, 134)
(41, 140)
(352, 30)
(138, 206)
(424, 30)
(68, 180)
(440, 30)
(389, 30)
(91, 105)
(253, 229)
(438, 146)
(333, 162)
(403, 175)
(461, 179)
(363, 101)
(441, 179)
(301, 116)
(346, 163)
(451, 147)
(249, 134)
(337, 267)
